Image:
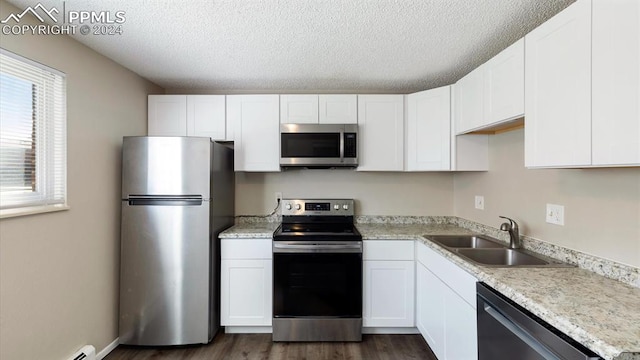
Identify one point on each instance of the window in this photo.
(33, 139)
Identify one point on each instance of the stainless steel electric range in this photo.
(317, 272)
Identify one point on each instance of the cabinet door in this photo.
(256, 135)
(430, 312)
(616, 82)
(167, 115)
(558, 90)
(381, 132)
(469, 101)
(388, 293)
(338, 109)
(246, 293)
(504, 85)
(206, 116)
(461, 340)
(429, 130)
(298, 109)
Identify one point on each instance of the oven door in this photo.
(317, 280)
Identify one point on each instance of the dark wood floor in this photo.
(260, 346)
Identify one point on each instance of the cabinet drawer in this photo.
(246, 249)
(388, 250)
(460, 281)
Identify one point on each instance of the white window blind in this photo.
(33, 134)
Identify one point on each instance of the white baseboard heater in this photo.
(88, 352)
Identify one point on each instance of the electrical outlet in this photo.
(555, 214)
(278, 195)
(479, 202)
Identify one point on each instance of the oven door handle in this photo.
(317, 248)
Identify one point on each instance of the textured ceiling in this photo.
(395, 46)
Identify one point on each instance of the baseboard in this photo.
(390, 330)
(248, 329)
(108, 349)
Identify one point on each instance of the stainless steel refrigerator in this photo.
(177, 196)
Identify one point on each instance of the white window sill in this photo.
(9, 213)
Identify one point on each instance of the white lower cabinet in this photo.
(429, 309)
(246, 284)
(389, 279)
(445, 306)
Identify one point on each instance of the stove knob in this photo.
(336, 207)
(288, 206)
(345, 206)
(298, 207)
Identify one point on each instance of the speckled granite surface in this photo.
(601, 313)
(250, 230)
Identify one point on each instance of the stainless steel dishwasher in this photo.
(507, 331)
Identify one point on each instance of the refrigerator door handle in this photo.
(165, 200)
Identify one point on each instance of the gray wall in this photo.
(602, 206)
(417, 194)
(59, 271)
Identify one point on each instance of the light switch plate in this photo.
(555, 214)
(479, 202)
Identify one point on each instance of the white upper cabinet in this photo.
(504, 85)
(187, 115)
(428, 135)
(380, 132)
(583, 87)
(318, 109)
(338, 109)
(616, 82)
(298, 109)
(167, 115)
(469, 99)
(206, 116)
(558, 90)
(257, 132)
(493, 93)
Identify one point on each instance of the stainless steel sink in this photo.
(465, 241)
(490, 252)
(502, 257)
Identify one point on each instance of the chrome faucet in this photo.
(514, 233)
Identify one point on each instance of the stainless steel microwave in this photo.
(318, 145)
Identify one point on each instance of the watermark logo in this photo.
(71, 22)
(33, 11)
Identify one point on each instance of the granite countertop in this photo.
(246, 230)
(600, 313)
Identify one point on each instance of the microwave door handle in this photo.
(342, 146)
